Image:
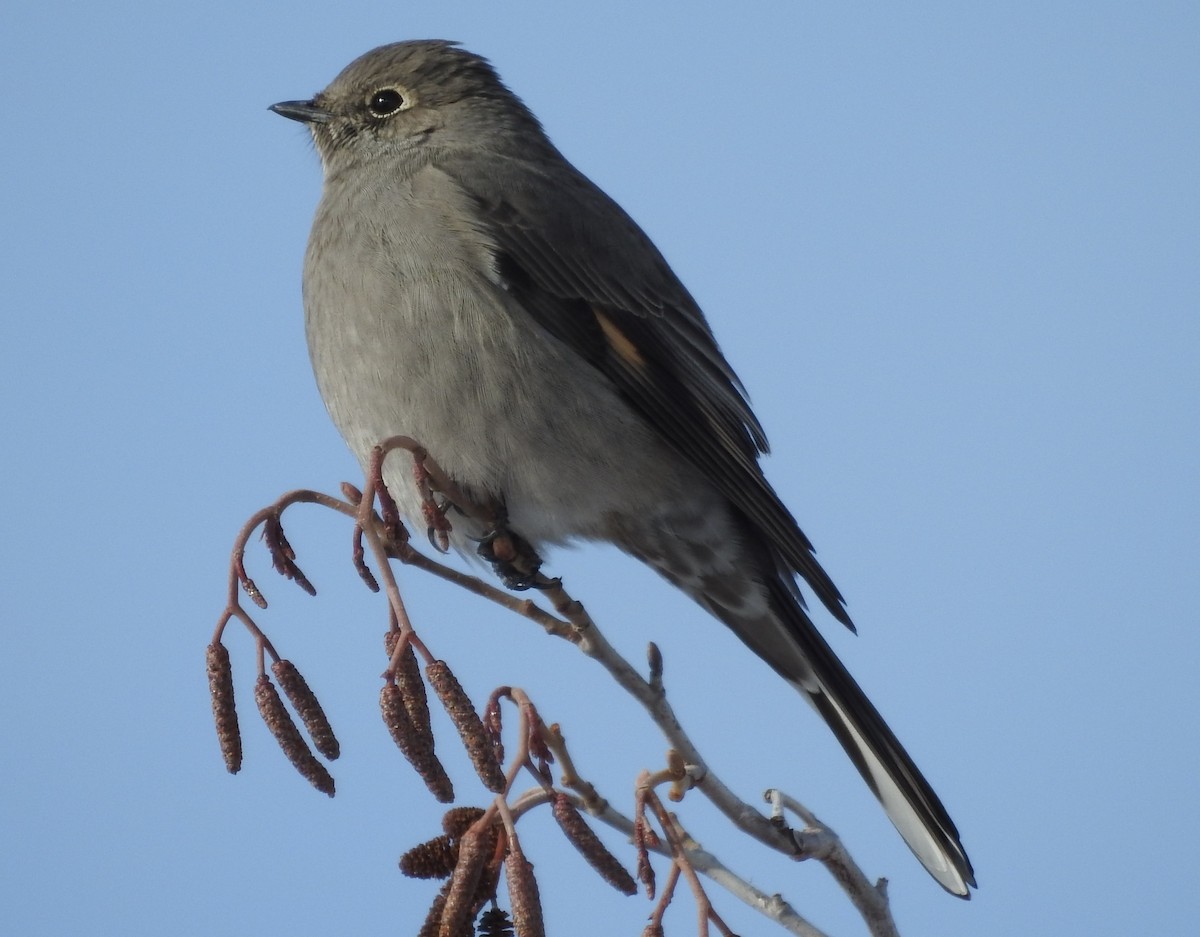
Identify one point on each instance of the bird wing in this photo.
(588, 275)
(592, 278)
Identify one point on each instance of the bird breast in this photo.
(410, 332)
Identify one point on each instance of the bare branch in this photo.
(472, 853)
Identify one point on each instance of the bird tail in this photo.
(767, 613)
(798, 652)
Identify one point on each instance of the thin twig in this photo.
(385, 537)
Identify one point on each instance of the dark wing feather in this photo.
(589, 276)
(592, 278)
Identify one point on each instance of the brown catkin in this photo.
(643, 836)
(473, 853)
(523, 893)
(417, 748)
(457, 820)
(220, 688)
(304, 701)
(275, 715)
(412, 689)
(590, 847)
(470, 728)
(434, 858)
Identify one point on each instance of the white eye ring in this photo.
(387, 101)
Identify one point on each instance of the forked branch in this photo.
(471, 858)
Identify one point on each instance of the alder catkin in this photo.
(276, 716)
(220, 688)
(304, 701)
(412, 689)
(433, 858)
(470, 728)
(590, 847)
(457, 820)
(523, 893)
(460, 899)
(415, 746)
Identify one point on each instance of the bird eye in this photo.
(385, 102)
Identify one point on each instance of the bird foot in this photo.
(514, 560)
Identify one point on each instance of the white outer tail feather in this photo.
(907, 821)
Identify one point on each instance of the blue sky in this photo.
(952, 251)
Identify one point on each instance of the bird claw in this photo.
(513, 559)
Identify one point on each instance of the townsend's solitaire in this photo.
(467, 287)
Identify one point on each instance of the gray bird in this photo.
(466, 286)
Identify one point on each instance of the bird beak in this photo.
(304, 111)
